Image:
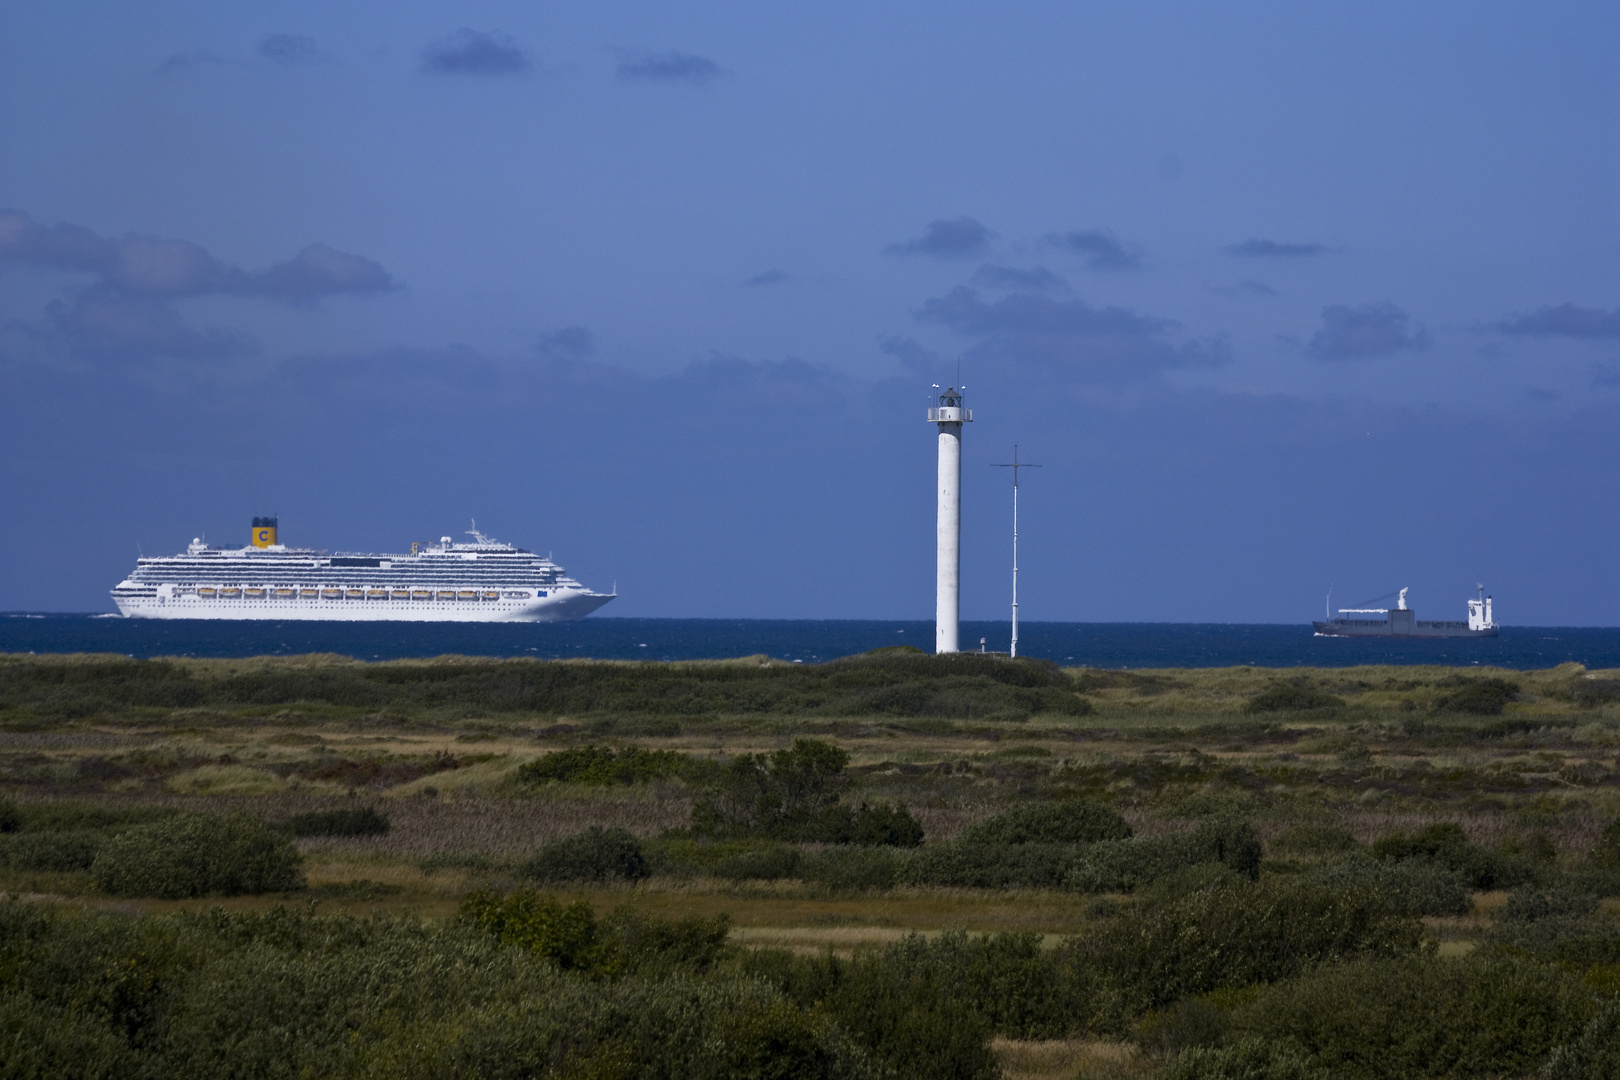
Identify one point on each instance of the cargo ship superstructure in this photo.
(483, 580)
(1402, 621)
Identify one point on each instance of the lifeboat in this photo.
(447, 594)
(376, 594)
(356, 594)
(492, 595)
(310, 594)
(516, 594)
(231, 592)
(402, 594)
(468, 594)
(332, 594)
(286, 594)
(254, 591)
(422, 594)
(207, 590)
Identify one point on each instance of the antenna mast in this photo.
(1015, 465)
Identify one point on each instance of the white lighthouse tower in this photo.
(950, 416)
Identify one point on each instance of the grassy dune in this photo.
(1317, 762)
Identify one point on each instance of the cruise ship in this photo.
(1402, 621)
(483, 580)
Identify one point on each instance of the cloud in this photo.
(914, 356)
(1066, 339)
(1035, 279)
(1101, 249)
(1246, 287)
(958, 238)
(1271, 249)
(186, 61)
(103, 320)
(1605, 375)
(289, 50)
(569, 343)
(152, 266)
(1565, 320)
(1351, 333)
(772, 276)
(469, 52)
(135, 279)
(669, 67)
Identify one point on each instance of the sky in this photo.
(1282, 298)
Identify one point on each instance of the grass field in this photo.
(1316, 762)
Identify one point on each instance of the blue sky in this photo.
(1282, 297)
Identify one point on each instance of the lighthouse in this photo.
(949, 416)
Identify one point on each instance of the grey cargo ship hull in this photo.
(1399, 627)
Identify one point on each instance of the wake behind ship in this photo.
(482, 581)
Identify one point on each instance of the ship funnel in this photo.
(264, 532)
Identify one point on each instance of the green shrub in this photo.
(913, 1015)
(1226, 938)
(1065, 821)
(869, 825)
(567, 936)
(51, 851)
(603, 766)
(198, 855)
(1478, 697)
(1313, 839)
(1291, 697)
(1607, 851)
(990, 866)
(1127, 865)
(853, 868)
(761, 864)
(362, 821)
(1445, 844)
(593, 855)
(11, 817)
(1594, 1055)
(1248, 1059)
(1411, 887)
(1422, 1016)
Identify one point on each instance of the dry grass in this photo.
(1068, 1059)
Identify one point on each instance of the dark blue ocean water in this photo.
(1114, 645)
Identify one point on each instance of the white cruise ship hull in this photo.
(481, 581)
(563, 606)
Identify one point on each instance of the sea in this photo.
(809, 641)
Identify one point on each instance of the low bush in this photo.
(1291, 697)
(1315, 839)
(1412, 887)
(566, 936)
(1478, 697)
(51, 851)
(362, 821)
(603, 766)
(1064, 821)
(1594, 1054)
(990, 866)
(596, 854)
(198, 855)
(1226, 938)
(11, 817)
(1127, 865)
(761, 864)
(1391, 1019)
(855, 868)
(1445, 844)
(792, 795)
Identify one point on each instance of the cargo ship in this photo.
(483, 580)
(1402, 621)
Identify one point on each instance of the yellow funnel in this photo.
(264, 531)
